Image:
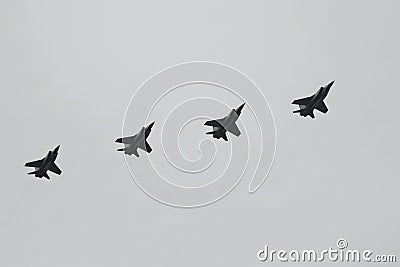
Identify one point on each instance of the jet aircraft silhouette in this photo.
(316, 101)
(228, 123)
(132, 143)
(45, 164)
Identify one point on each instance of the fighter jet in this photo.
(316, 101)
(132, 143)
(227, 123)
(45, 164)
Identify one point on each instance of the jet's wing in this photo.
(302, 101)
(54, 168)
(148, 147)
(126, 140)
(142, 144)
(35, 164)
(148, 129)
(232, 128)
(214, 123)
(322, 107)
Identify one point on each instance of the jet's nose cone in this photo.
(57, 148)
(330, 84)
(239, 109)
(150, 125)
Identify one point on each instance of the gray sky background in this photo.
(69, 69)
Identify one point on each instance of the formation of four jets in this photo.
(307, 106)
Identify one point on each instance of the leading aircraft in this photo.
(45, 164)
(316, 101)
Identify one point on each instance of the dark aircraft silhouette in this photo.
(132, 143)
(227, 123)
(46, 164)
(316, 101)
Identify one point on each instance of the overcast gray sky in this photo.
(69, 69)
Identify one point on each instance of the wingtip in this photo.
(118, 140)
(151, 125)
(239, 109)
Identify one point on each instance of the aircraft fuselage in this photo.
(48, 160)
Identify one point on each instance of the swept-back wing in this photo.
(302, 101)
(148, 148)
(35, 164)
(233, 128)
(322, 107)
(213, 123)
(126, 140)
(54, 168)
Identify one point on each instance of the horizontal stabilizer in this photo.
(133, 152)
(218, 134)
(224, 136)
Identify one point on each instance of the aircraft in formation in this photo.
(45, 164)
(220, 128)
(316, 101)
(139, 140)
(227, 123)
